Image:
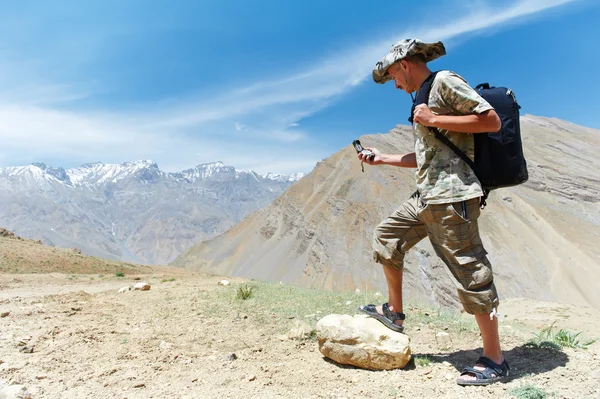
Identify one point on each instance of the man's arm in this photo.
(487, 121)
(404, 160)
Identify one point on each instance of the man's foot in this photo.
(485, 372)
(392, 320)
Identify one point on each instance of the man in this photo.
(447, 204)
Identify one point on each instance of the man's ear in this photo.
(404, 65)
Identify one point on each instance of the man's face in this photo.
(399, 71)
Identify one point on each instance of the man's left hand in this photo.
(424, 116)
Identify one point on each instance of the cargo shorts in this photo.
(454, 234)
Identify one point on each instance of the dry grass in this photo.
(27, 256)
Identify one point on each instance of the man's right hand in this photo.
(376, 160)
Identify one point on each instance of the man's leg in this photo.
(393, 278)
(456, 241)
(490, 337)
(392, 239)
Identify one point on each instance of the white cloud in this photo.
(251, 127)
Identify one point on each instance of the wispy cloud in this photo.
(256, 126)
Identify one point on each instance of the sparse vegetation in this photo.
(422, 361)
(166, 280)
(549, 338)
(120, 274)
(28, 256)
(528, 391)
(244, 292)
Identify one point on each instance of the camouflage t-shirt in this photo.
(443, 177)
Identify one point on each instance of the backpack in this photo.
(499, 160)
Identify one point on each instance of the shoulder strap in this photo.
(453, 147)
(423, 94)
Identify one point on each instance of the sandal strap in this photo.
(501, 370)
(486, 374)
(393, 316)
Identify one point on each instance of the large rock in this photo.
(363, 342)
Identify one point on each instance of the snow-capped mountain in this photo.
(131, 211)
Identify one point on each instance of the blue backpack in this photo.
(499, 160)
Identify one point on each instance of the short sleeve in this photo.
(458, 96)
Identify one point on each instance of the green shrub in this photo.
(528, 391)
(549, 338)
(244, 292)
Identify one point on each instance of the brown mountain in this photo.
(542, 236)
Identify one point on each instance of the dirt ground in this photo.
(77, 337)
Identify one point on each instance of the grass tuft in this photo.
(550, 338)
(528, 391)
(244, 292)
(422, 361)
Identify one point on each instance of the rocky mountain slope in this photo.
(542, 236)
(133, 211)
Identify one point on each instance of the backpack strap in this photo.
(422, 96)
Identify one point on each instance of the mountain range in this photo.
(542, 236)
(133, 211)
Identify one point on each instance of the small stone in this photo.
(378, 293)
(443, 340)
(41, 377)
(141, 385)
(449, 376)
(348, 302)
(357, 291)
(26, 349)
(223, 282)
(4, 314)
(230, 357)
(142, 286)
(14, 391)
(447, 364)
(124, 289)
(252, 378)
(165, 345)
(76, 309)
(428, 371)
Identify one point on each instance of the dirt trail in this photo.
(185, 339)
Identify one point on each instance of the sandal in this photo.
(387, 318)
(493, 372)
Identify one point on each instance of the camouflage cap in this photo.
(403, 49)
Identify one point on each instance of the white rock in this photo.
(142, 286)
(14, 392)
(362, 342)
(223, 282)
(357, 291)
(165, 345)
(443, 340)
(124, 289)
(300, 330)
(348, 302)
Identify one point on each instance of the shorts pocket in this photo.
(469, 208)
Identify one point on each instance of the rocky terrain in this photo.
(76, 336)
(134, 211)
(541, 236)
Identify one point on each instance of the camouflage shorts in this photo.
(454, 234)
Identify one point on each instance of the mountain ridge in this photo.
(131, 211)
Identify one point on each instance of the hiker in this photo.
(446, 205)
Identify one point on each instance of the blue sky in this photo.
(272, 86)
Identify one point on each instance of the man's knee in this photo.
(478, 292)
(386, 250)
